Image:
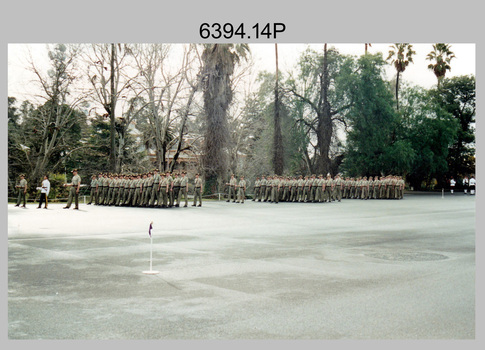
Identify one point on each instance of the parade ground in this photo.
(373, 269)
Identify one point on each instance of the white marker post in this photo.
(151, 272)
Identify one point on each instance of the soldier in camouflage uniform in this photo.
(198, 188)
(262, 190)
(184, 187)
(256, 188)
(241, 194)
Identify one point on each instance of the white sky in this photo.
(20, 79)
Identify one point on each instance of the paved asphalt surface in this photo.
(377, 269)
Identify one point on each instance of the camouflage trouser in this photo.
(241, 195)
(338, 193)
(197, 194)
(267, 195)
(275, 194)
(73, 195)
(183, 193)
(256, 193)
(21, 197)
(155, 195)
(163, 196)
(92, 195)
(232, 193)
(318, 194)
(262, 192)
(299, 196)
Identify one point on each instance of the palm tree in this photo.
(219, 61)
(401, 55)
(442, 56)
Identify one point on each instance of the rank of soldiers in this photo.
(325, 189)
(152, 189)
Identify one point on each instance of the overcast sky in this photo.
(19, 78)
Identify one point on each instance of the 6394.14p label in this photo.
(229, 31)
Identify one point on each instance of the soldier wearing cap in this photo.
(198, 188)
(170, 197)
(22, 189)
(262, 189)
(241, 193)
(176, 189)
(232, 189)
(92, 192)
(257, 187)
(74, 190)
(163, 191)
(184, 187)
(155, 189)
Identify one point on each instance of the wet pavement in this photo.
(376, 269)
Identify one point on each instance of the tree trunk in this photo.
(278, 160)
(112, 155)
(397, 91)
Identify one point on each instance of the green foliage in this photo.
(372, 145)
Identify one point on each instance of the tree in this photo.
(442, 55)
(314, 91)
(372, 144)
(400, 55)
(52, 131)
(108, 84)
(430, 130)
(457, 97)
(219, 61)
(167, 97)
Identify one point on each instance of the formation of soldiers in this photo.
(326, 189)
(236, 188)
(152, 189)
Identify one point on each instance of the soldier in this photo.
(155, 189)
(328, 189)
(241, 195)
(262, 190)
(197, 190)
(106, 182)
(99, 188)
(163, 191)
(184, 187)
(44, 192)
(22, 189)
(176, 189)
(170, 198)
(148, 190)
(232, 189)
(92, 192)
(269, 188)
(339, 184)
(257, 186)
(275, 188)
(74, 190)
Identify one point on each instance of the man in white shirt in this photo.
(452, 184)
(44, 192)
(465, 185)
(473, 184)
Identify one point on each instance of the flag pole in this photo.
(151, 272)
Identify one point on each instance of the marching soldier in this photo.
(338, 187)
(257, 186)
(22, 189)
(74, 190)
(163, 190)
(184, 187)
(92, 192)
(197, 190)
(170, 199)
(262, 190)
(241, 195)
(155, 189)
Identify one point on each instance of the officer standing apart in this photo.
(197, 190)
(44, 192)
(22, 186)
(74, 190)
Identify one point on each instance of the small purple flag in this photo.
(150, 229)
